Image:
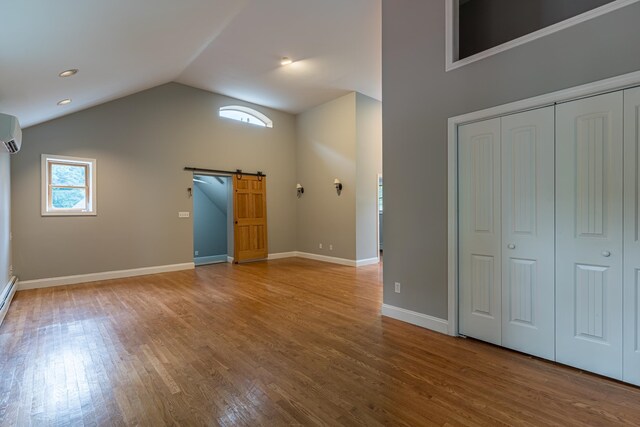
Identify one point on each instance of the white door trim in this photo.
(590, 89)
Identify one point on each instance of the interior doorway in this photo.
(212, 219)
(380, 205)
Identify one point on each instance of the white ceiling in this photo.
(232, 47)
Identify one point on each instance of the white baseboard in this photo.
(7, 296)
(415, 318)
(368, 261)
(281, 255)
(106, 275)
(203, 260)
(230, 259)
(334, 260)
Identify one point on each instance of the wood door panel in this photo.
(589, 218)
(250, 218)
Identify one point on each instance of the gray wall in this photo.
(141, 143)
(340, 139)
(419, 97)
(209, 223)
(5, 219)
(368, 166)
(327, 150)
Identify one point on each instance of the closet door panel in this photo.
(631, 360)
(589, 164)
(528, 189)
(480, 229)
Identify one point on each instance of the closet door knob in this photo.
(606, 254)
(511, 246)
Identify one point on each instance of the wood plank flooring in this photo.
(282, 342)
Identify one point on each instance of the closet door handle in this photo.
(511, 246)
(606, 254)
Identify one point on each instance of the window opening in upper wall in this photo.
(477, 29)
(245, 115)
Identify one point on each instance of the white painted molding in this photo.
(415, 318)
(451, 31)
(622, 82)
(367, 261)
(7, 297)
(230, 259)
(106, 275)
(452, 225)
(214, 259)
(281, 255)
(334, 260)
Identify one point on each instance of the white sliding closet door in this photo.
(631, 361)
(589, 146)
(528, 261)
(480, 227)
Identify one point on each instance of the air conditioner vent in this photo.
(12, 147)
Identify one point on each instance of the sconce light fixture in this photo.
(338, 185)
(299, 189)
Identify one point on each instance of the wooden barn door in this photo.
(249, 217)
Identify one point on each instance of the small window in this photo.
(246, 115)
(68, 185)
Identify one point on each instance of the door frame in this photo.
(230, 235)
(379, 177)
(599, 87)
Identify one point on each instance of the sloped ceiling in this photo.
(231, 47)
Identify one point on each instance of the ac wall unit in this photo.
(10, 133)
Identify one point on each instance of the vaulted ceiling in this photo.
(232, 47)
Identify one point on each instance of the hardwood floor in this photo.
(285, 342)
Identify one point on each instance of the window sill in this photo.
(69, 213)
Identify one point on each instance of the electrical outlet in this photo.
(196, 253)
(319, 245)
(330, 247)
(397, 287)
(183, 214)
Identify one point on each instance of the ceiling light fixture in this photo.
(285, 61)
(65, 101)
(69, 73)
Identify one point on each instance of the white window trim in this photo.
(44, 187)
(451, 29)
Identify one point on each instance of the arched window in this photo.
(245, 115)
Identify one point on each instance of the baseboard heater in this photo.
(7, 295)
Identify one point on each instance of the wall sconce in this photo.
(299, 189)
(338, 185)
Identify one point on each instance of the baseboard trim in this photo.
(230, 259)
(213, 259)
(281, 255)
(333, 260)
(415, 318)
(7, 296)
(106, 275)
(367, 261)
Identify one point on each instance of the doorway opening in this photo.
(212, 219)
(380, 217)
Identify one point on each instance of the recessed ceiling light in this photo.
(65, 101)
(285, 61)
(69, 73)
